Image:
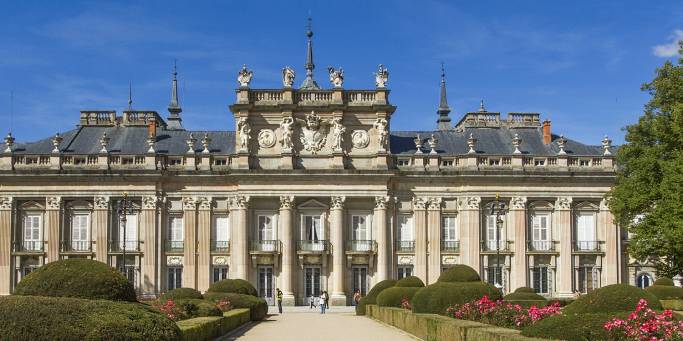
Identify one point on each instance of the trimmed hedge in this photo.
(611, 298)
(258, 307)
(392, 297)
(371, 297)
(410, 282)
(665, 292)
(235, 286)
(80, 278)
(459, 273)
(673, 305)
(437, 297)
(573, 327)
(66, 318)
(181, 293)
(525, 299)
(209, 328)
(664, 281)
(198, 307)
(525, 290)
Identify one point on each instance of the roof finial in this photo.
(481, 106)
(309, 83)
(174, 110)
(444, 121)
(130, 95)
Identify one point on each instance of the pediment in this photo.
(313, 204)
(79, 205)
(587, 206)
(541, 205)
(31, 205)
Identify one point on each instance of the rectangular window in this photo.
(266, 230)
(360, 279)
(220, 273)
(587, 279)
(494, 275)
(32, 232)
(175, 277)
(540, 232)
(405, 228)
(540, 279)
(448, 229)
(176, 232)
(493, 237)
(311, 282)
(359, 227)
(585, 231)
(80, 228)
(130, 240)
(220, 232)
(313, 228)
(405, 271)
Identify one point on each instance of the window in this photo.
(220, 273)
(403, 162)
(446, 163)
(448, 230)
(265, 228)
(643, 281)
(360, 279)
(493, 237)
(540, 232)
(128, 236)
(540, 281)
(175, 277)
(220, 162)
(359, 227)
(175, 161)
(405, 271)
(588, 278)
(176, 232)
(539, 162)
(405, 228)
(220, 233)
(584, 163)
(494, 162)
(313, 228)
(585, 231)
(32, 232)
(494, 275)
(80, 236)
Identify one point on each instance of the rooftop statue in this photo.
(244, 76)
(336, 76)
(288, 76)
(381, 76)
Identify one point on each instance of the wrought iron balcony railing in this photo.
(313, 245)
(540, 245)
(27, 246)
(119, 246)
(220, 245)
(265, 246)
(493, 245)
(586, 245)
(175, 245)
(361, 246)
(76, 246)
(450, 245)
(405, 246)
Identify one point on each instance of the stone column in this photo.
(240, 248)
(190, 245)
(288, 251)
(100, 228)
(434, 238)
(519, 259)
(6, 245)
(470, 231)
(420, 219)
(150, 248)
(52, 210)
(610, 265)
(564, 263)
(338, 296)
(204, 244)
(383, 238)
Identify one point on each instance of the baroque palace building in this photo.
(313, 191)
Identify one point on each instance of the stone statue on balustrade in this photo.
(287, 130)
(245, 131)
(244, 76)
(381, 76)
(288, 77)
(338, 131)
(336, 76)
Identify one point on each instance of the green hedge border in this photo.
(209, 328)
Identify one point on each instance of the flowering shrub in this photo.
(171, 310)
(224, 305)
(405, 304)
(644, 324)
(501, 313)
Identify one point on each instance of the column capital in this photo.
(205, 203)
(469, 203)
(101, 202)
(382, 202)
(240, 202)
(189, 203)
(149, 202)
(53, 203)
(337, 202)
(434, 203)
(419, 203)
(286, 202)
(518, 203)
(563, 203)
(604, 204)
(6, 203)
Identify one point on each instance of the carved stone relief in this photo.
(360, 139)
(266, 138)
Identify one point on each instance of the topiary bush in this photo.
(459, 273)
(81, 278)
(392, 297)
(410, 282)
(664, 281)
(258, 307)
(437, 297)
(665, 292)
(198, 307)
(573, 327)
(66, 318)
(181, 293)
(525, 290)
(235, 286)
(371, 297)
(526, 297)
(611, 298)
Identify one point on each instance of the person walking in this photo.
(356, 297)
(311, 300)
(327, 300)
(278, 296)
(322, 302)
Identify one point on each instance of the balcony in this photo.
(450, 246)
(494, 246)
(265, 246)
(175, 246)
(28, 246)
(76, 246)
(319, 246)
(222, 246)
(119, 246)
(361, 246)
(587, 246)
(405, 246)
(540, 245)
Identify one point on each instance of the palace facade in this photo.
(313, 191)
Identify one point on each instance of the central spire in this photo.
(309, 83)
(444, 121)
(174, 109)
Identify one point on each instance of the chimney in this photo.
(152, 129)
(547, 136)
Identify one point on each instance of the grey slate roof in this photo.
(133, 140)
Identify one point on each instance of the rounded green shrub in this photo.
(410, 282)
(392, 297)
(235, 286)
(611, 298)
(573, 327)
(664, 281)
(371, 297)
(437, 297)
(526, 299)
(459, 273)
(81, 278)
(181, 293)
(525, 290)
(258, 308)
(66, 318)
(194, 307)
(665, 292)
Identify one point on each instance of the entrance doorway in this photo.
(311, 284)
(265, 283)
(360, 279)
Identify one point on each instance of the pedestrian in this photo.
(327, 300)
(312, 302)
(322, 302)
(278, 296)
(356, 297)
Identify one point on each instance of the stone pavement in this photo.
(302, 324)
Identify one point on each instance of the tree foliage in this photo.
(648, 194)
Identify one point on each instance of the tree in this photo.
(648, 194)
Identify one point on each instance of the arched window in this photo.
(643, 281)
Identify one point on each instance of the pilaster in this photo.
(52, 211)
(564, 227)
(383, 240)
(190, 245)
(434, 239)
(240, 235)
(100, 227)
(338, 296)
(470, 246)
(150, 247)
(204, 244)
(610, 266)
(288, 251)
(420, 217)
(519, 259)
(5, 245)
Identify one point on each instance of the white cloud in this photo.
(670, 49)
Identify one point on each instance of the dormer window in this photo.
(539, 162)
(494, 162)
(220, 162)
(403, 162)
(176, 161)
(584, 163)
(446, 163)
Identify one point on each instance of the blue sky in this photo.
(580, 64)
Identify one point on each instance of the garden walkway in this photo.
(300, 323)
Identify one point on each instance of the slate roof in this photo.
(133, 140)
